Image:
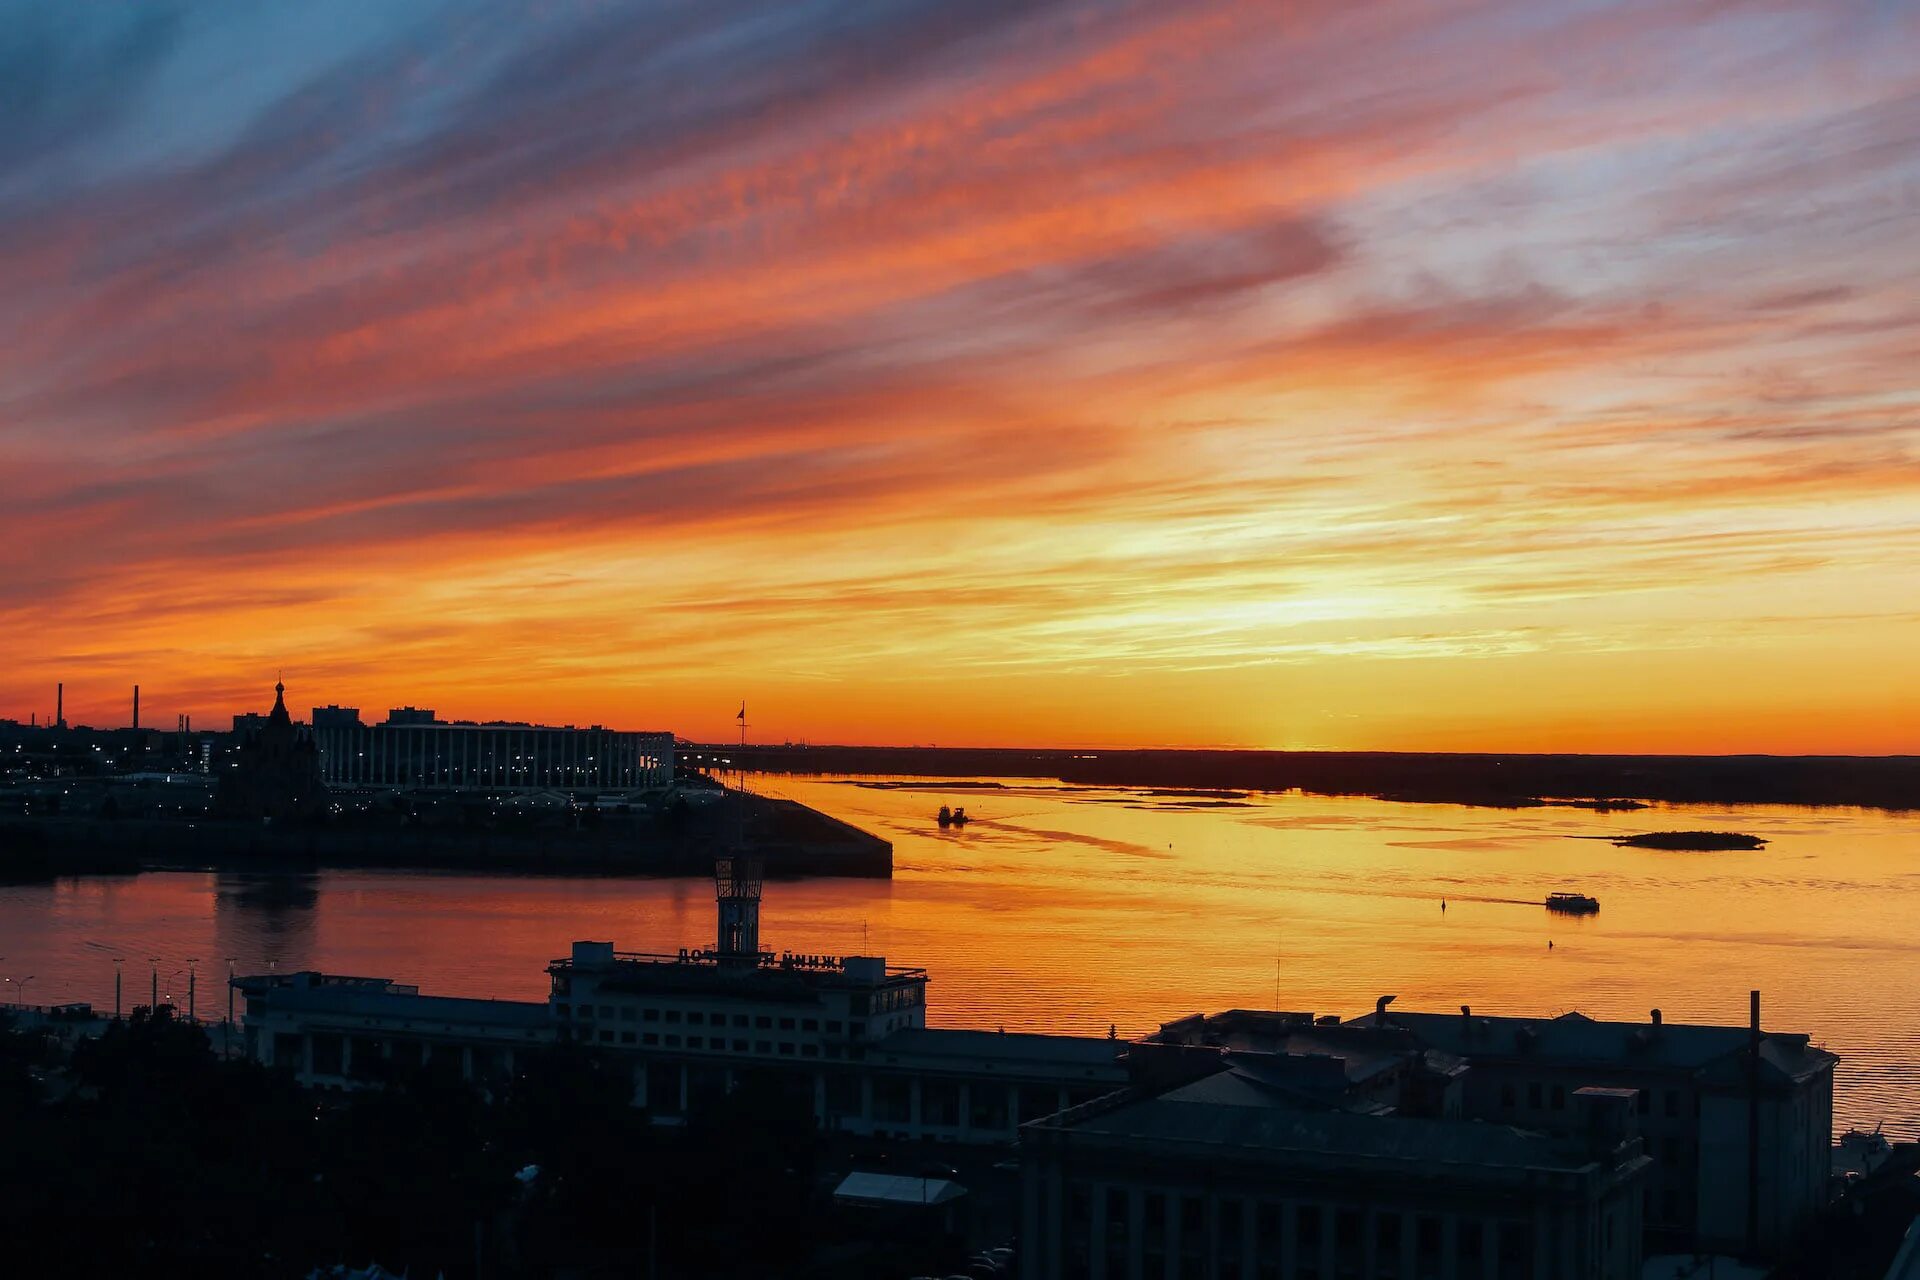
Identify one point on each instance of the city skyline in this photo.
(1416, 377)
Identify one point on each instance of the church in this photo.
(275, 772)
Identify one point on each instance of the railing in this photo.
(783, 962)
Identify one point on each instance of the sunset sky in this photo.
(1449, 374)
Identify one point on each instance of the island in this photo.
(1692, 841)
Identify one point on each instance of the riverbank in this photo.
(790, 838)
(1602, 783)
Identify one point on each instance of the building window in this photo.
(584, 1011)
(739, 1019)
(809, 1050)
(673, 1015)
(786, 1024)
(786, 1048)
(1506, 1096)
(649, 1037)
(626, 1013)
(1559, 1098)
(1467, 1249)
(833, 1027)
(762, 1046)
(606, 1011)
(695, 1042)
(673, 1042)
(626, 1037)
(696, 1017)
(739, 1046)
(1642, 1101)
(606, 1037)
(1533, 1094)
(649, 1015)
(810, 1024)
(763, 1022)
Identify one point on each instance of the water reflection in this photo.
(1069, 909)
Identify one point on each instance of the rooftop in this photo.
(375, 998)
(929, 1045)
(1213, 1119)
(1575, 1039)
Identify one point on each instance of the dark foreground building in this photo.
(1227, 1179)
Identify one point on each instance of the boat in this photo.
(1859, 1153)
(960, 816)
(944, 817)
(1578, 904)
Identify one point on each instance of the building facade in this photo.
(1706, 1096)
(845, 1036)
(1205, 1182)
(492, 757)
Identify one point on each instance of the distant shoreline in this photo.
(1601, 783)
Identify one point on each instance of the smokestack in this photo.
(60, 705)
(1656, 1017)
(136, 706)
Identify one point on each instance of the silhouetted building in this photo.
(332, 717)
(844, 1036)
(275, 770)
(491, 757)
(1693, 1089)
(1231, 1175)
(411, 716)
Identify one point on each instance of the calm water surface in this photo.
(1074, 909)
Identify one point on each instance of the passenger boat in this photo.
(1578, 904)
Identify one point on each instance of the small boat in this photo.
(944, 817)
(1859, 1153)
(1578, 904)
(960, 816)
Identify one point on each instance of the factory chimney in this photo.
(60, 705)
(136, 706)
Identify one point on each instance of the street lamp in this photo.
(153, 999)
(226, 1039)
(192, 978)
(118, 971)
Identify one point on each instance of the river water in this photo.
(1075, 909)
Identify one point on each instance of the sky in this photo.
(1419, 374)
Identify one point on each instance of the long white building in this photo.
(491, 757)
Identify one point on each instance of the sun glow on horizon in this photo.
(1140, 375)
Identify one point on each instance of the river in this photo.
(1076, 909)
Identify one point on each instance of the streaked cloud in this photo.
(1452, 374)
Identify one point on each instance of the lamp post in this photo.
(192, 976)
(21, 989)
(153, 999)
(226, 1041)
(118, 972)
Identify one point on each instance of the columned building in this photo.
(492, 757)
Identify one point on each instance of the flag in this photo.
(742, 717)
